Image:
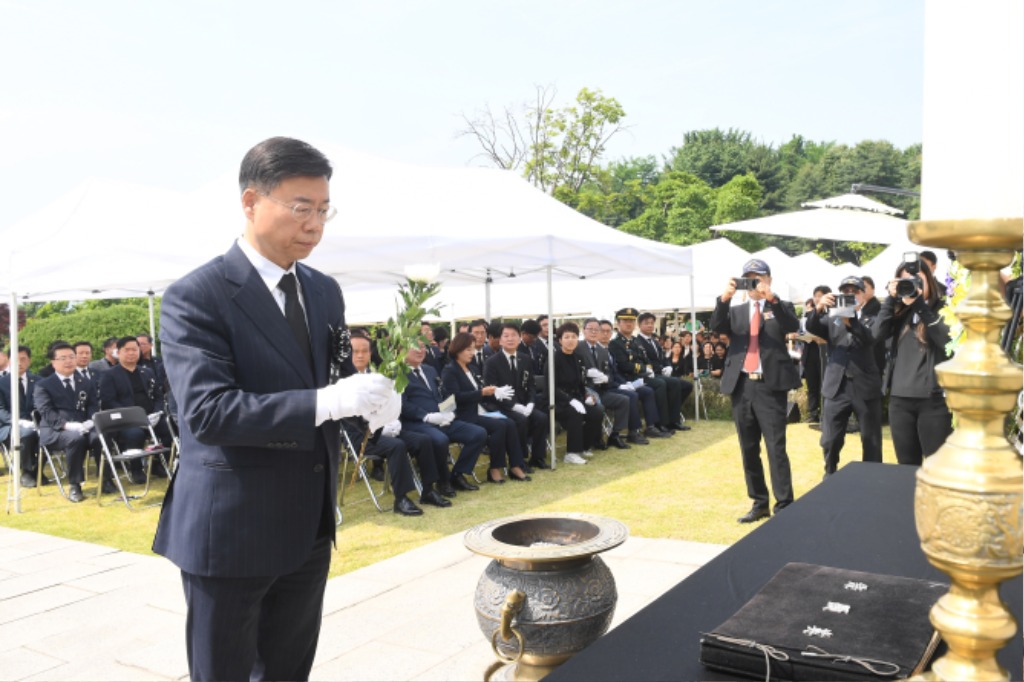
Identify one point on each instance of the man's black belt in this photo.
(755, 376)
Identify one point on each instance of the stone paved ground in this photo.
(64, 606)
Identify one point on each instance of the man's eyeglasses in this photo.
(65, 358)
(303, 212)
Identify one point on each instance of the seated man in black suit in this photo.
(512, 367)
(66, 405)
(676, 389)
(108, 360)
(620, 407)
(481, 351)
(434, 357)
(639, 396)
(129, 384)
(532, 346)
(421, 414)
(631, 363)
(29, 438)
(391, 446)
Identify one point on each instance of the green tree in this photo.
(93, 325)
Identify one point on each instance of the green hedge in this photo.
(93, 325)
(720, 406)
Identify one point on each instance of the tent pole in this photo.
(693, 353)
(152, 325)
(15, 377)
(487, 296)
(551, 373)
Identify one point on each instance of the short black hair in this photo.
(569, 327)
(360, 334)
(494, 329)
(930, 257)
(868, 280)
(605, 322)
(823, 288)
(124, 340)
(76, 344)
(478, 323)
(589, 320)
(51, 352)
(276, 159)
(510, 325)
(645, 316)
(531, 327)
(112, 341)
(23, 349)
(440, 333)
(144, 335)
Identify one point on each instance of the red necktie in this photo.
(751, 362)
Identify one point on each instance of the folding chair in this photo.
(109, 422)
(53, 458)
(351, 454)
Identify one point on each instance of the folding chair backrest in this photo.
(111, 421)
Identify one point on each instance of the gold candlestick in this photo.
(968, 501)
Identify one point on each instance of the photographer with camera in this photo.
(851, 383)
(910, 320)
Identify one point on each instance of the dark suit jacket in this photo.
(497, 372)
(25, 407)
(779, 319)
(417, 400)
(630, 360)
(603, 363)
(116, 388)
(57, 407)
(248, 496)
(570, 379)
(467, 396)
(850, 355)
(653, 352)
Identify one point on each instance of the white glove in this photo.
(666, 371)
(578, 406)
(627, 387)
(392, 429)
(637, 383)
(436, 418)
(359, 394)
(386, 413)
(650, 371)
(154, 418)
(73, 426)
(449, 417)
(601, 378)
(504, 392)
(521, 409)
(594, 372)
(529, 410)
(87, 426)
(26, 425)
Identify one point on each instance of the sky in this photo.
(173, 94)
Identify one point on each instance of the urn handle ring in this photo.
(511, 608)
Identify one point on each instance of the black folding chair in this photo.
(57, 459)
(108, 423)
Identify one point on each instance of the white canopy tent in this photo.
(842, 224)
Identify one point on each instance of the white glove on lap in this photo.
(593, 372)
(73, 426)
(504, 392)
(578, 406)
(86, 426)
(154, 418)
(386, 413)
(650, 372)
(666, 371)
(521, 409)
(529, 410)
(392, 429)
(627, 387)
(357, 395)
(26, 425)
(437, 419)
(601, 378)
(449, 417)
(637, 383)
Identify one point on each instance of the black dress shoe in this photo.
(459, 482)
(108, 486)
(655, 432)
(600, 444)
(491, 479)
(406, 507)
(377, 474)
(527, 468)
(445, 489)
(679, 426)
(75, 493)
(137, 477)
(539, 464)
(755, 514)
(519, 479)
(667, 430)
(434, 498)
(28, 480)
(616, 441)
(637, 438)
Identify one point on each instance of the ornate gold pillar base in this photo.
(968, 502)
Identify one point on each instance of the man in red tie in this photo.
(758, 375)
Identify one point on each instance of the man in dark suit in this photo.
(481, 350)
(676, 389)
(250, 340)
(29, 438)
(852, 383)
(421, 413)
(870, 310)
(534, 347)
(510, 367)
(109, 358)
(66, 405)
(631, 362)
(758, 375)
(622, 408)
(129, 384)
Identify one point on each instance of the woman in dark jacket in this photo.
(918, 416)
(575, 410)
(502, 438)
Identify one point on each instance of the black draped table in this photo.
(862, 518)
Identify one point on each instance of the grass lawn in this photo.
(689, 487)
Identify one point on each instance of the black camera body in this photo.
(846, 301)
(910, 287)
(746, 283)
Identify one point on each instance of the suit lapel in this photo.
(259, 305)
(315, 318)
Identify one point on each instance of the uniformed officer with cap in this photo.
(852, 382)
(758, 375)
(630, 362)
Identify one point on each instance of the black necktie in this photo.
(68, 387)
(421, 377)
(294, 315)
(21, 390)
(512, 363)
(480, 358)
(593, 352)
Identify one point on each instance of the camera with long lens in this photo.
(910, 287)
(845, 306)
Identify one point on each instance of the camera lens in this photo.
(906, 288)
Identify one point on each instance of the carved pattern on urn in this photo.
(973, 529)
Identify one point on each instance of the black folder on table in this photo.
(813, 622)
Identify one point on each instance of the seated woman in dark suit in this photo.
(502, 438)
(718, 362)
(704, 362)
(575, 410)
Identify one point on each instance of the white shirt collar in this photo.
(65, 378)
(269, 271)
